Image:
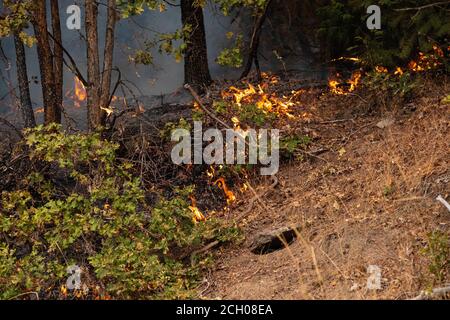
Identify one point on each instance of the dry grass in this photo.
(373, 204)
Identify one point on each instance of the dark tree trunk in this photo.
(196, 70)
(93, 67)
(24, 88)
(51, 109)
(254, 43)
(108, 57)
(58, 54)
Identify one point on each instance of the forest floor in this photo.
(368, 200)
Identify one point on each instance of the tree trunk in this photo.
(93, 66)
(52, 112)
(57, 55)
(196, 70)
(108, 57)
(24, 89)
(254, 43)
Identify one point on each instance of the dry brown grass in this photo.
(372, 205)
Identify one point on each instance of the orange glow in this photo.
(334, 87)
(80, 90)
(229, 194)
(398, 71)
(197, 214)
(381, 69)
(259, 96)
(427, 61)
(338, 88)
(354, 80)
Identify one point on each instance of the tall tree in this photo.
(57, 53)
(24, 88)
(99, 83)
(45, 55)
(254, 42)
(93, 65)
(108, 57)
(196, 70)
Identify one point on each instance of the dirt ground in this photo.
(369, 199)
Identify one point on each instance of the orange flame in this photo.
(80, 90)
(427, 61)
(266, 101)
(381, 69)
(211, 172)
(398, 71)
(229, 194)
(337, 88)
(197, 214)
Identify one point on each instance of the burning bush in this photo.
(92, 214)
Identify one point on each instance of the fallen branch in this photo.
(202, 250)
(210, 113)
(424, 7)
(445, 203)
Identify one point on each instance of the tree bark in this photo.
(57, 55)
(93, 66)
(254, 43)
(108, 57)
(24, 88)
(52, 112)
(196, 70)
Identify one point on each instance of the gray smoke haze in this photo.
(163, 77)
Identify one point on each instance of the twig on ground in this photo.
(200, 103)
(202, 250)
(445, 203)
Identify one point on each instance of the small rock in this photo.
(385, 123)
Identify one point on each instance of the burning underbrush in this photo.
(118, 207)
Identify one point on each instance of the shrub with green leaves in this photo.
(401, 86)
(438, 253)
(81, 206)
(289, 145)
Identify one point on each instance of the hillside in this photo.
(368, 197)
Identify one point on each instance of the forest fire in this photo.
(268, 102)
(228, 193)
(146, 155)
(338, 88)
(80, 92)
(427, 61)
(197, 214)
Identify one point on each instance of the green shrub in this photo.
(438, 253)
(292, 143)
(83, 207)
(401, 86)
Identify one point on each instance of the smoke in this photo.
(164, 76)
